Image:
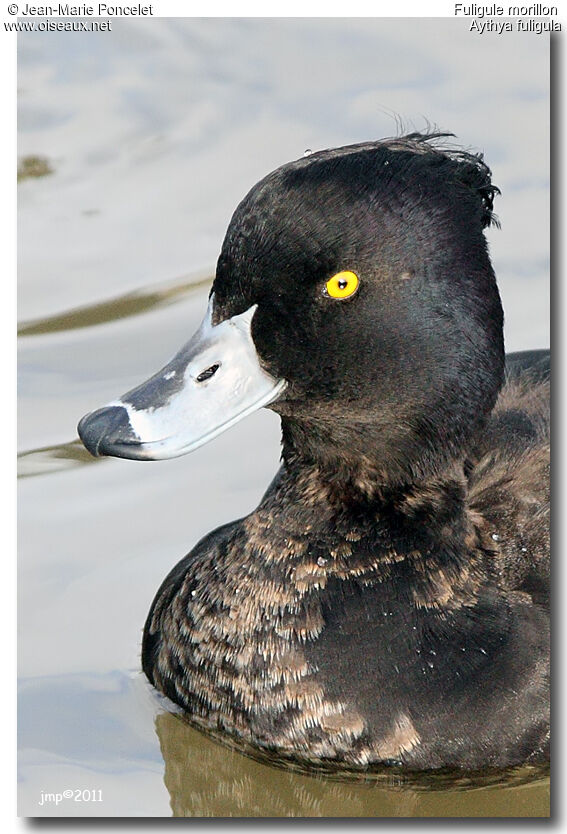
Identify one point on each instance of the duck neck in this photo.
(425, 513)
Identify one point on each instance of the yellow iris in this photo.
(342, 285)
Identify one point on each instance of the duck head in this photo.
(353, 295)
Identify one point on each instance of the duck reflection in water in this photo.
(206, 778)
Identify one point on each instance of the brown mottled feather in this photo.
(509, 486)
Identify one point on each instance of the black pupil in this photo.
(342, 283)
(207, 374)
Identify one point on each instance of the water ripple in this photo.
(129, 304)
(49, 459)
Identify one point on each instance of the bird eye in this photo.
(341, 285)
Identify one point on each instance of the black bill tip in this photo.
(105, 428)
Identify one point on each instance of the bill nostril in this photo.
(208, 373)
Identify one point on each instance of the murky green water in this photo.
(117, 248)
